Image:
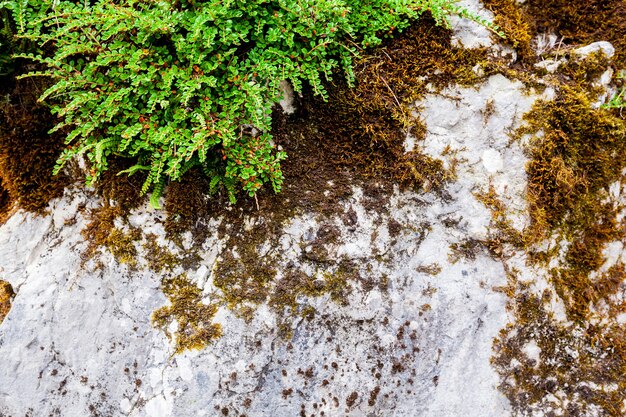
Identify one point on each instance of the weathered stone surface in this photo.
(79, 340)
(412, 337)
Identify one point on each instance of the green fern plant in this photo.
(183, 83)
(618, 101)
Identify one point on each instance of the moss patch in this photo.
(573, 162)
(161, 259)
(194, 318)
(6, 295)
(27, 152)
(5, 202)
(247, 275)
(575, 157)
(515, 24)
(119, 195)
(579, 371)
(373, 118)
(582, 22)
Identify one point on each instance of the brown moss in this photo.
(581, 369)
(5, 203)
(195, 327)
(515, 24)
(430, 269)
(161, 259)
(102, 232)
(501, 231)
(466, 249)
(575, 156)
(582, 22)
(572, 163)
(585, 72)
(373, 118)
(187, 204)
(119, 195)
(6, 295)
(27, 152)
(351, 400)
(247, 277)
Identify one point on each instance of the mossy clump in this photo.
(286, 297)
(119, 196)
(582, 22)
(373, 118)
(585, 72)
(161, 259)
(515, 24)
(502, 231)
(578, 369)
(247, 273)
(6, 295)
(27, 152)
(195, 328)
(5, 202)
(245, 281)
(575, 156)
(122, 245)
(103, 232)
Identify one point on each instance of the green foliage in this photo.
(6, 39)
(182, 83)
(618, 101)
(16, 16)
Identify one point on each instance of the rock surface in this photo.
(412, 335)
(78, 341)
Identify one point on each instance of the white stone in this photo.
(492, 161)
(605, 47)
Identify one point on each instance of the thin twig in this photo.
(392, 93)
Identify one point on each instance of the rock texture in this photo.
(79, 340)
(411, 335)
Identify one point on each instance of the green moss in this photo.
(194, 318)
